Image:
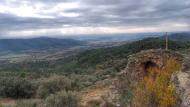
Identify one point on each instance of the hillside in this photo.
(178, 37)
(36, 44)
(90, 73)
(100, 55)
(113, 59)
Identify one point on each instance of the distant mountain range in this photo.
(118, 37)
(178, 37)
(44, 43)
(182, 36)
(41, 43)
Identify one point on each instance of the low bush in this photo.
(16, 88)
(95, 103)
(108, 104)
(62, 99)
(156, 89)
(30, 103)
(52, 85)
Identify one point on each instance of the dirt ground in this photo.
(7, 102)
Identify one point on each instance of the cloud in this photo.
(64, 17)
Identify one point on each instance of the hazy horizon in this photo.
(82, 36)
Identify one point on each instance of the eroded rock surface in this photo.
(183, 82)
(140, 62)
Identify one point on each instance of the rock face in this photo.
(182, 82)
(140, 62)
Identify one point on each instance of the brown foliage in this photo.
(156, 89)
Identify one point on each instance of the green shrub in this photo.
(108, 104)
(62, 99)
(124, 90)
(95, 103)
(53, 85)
(29, 103)
(16, 88)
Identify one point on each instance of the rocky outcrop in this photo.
(140, 62)
(182, 82)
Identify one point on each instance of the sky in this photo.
(33, 18)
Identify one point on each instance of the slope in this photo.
(36, 44)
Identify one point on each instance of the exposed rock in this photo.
(183, 88)
(183, 83)
(140, 62)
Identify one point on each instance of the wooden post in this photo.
(166, 41)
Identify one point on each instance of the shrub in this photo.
(62, 99)
(156, 89)
(108, 104)
(53, 85)
(95, 103)
(125, 90)
(29, 103)
(16, 88)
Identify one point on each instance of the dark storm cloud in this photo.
(104, 13)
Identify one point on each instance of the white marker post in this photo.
(166, 41)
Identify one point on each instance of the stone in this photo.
(139, 63)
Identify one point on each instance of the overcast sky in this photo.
(29, 18)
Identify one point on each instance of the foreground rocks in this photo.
(140, 62)
(182, 82)
(137, 68)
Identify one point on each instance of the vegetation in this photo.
(36, 44)
(52, 85)
(62, 99)
(110, 60)
(124, 87)
(16, 88)
(155, 89)
(95, 103)
(55, 82)
(179, 36)
(30, 103)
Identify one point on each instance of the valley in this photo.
(29, 54)
(94, 53)
(89, 71)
